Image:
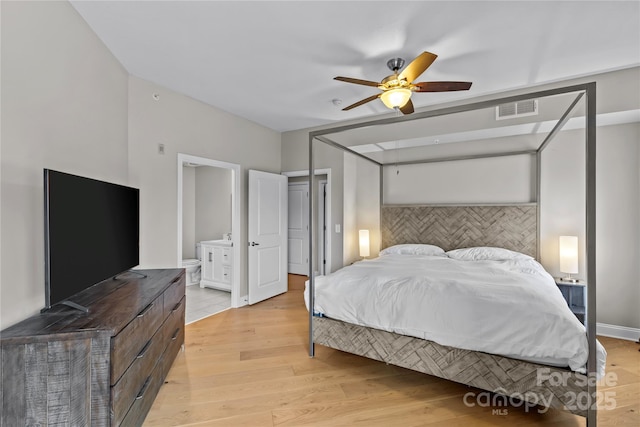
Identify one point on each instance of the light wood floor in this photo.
(250, 367)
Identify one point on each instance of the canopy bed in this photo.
(458, 231)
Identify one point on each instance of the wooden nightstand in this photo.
(575, 293)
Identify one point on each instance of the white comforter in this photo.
(511, 308)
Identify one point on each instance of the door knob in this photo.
(255, 244)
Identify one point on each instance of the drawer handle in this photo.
(144, 350)
(210, 256)
(144, 388)
(146, 309)
(175, 335)
(177, 279)
(176, 307)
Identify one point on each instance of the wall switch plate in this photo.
(160, 148)
(337, 228)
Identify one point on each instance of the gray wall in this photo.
(187, 126)
(361, 206)
(69, 105)
(188, 212)
(206, 206)
(64, 107)
(617, 215)
(213, 203)
(618, 225)
(491, 180)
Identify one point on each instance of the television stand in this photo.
(100, 370)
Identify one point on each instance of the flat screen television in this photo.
(91, 234)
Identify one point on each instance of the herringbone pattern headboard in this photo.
(451, 227)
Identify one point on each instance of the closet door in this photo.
(298, 230)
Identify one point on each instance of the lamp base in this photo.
(569, 279)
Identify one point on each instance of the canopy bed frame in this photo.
(512, 378)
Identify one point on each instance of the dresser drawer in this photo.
(169, 356)
(124, 393)
(174, 294)
(172, 333)
(144, 399)
(126, 346)
(175, 318)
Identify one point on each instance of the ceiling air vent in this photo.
(528, 107)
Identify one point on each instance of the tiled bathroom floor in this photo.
(203, 302)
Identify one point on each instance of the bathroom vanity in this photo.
(217, 264)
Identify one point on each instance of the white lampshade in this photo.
(364, 243)
(569, 254)
(395, 97)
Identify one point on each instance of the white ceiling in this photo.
(274, 62)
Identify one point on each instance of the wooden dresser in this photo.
(103, 368)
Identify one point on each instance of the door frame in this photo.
(235, 215)
(327, 172)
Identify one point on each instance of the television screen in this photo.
(91, 233)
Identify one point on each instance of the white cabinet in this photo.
(217, 264)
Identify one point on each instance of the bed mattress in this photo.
(511, 307)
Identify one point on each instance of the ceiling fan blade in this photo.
(407, 108)
(359, 103)
(357, 81)
(417, 66)
(441, 86)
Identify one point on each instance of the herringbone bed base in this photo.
(514, 378)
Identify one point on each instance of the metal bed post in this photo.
(538, 200)
(591, 251)
(311, 275)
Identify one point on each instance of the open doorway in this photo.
(298, 235)
(208, 233)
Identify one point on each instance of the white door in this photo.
(267, 235)
(298, 232)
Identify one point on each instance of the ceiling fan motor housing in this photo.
(395, 64)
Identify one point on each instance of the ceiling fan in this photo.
(397, 88)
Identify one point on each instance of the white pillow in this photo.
(413, 249)
(481, 253)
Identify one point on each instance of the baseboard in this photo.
(615, 331)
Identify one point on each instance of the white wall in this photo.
(350, 210)
(185, 125)
(491, 180)
(188, 212)
(213, 202)
(618, 225)
(563, 200)
(361, 206)
(368, 204)
(64, 107)
(617, 215)
(206, 206)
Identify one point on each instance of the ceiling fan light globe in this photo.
(396, 98)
